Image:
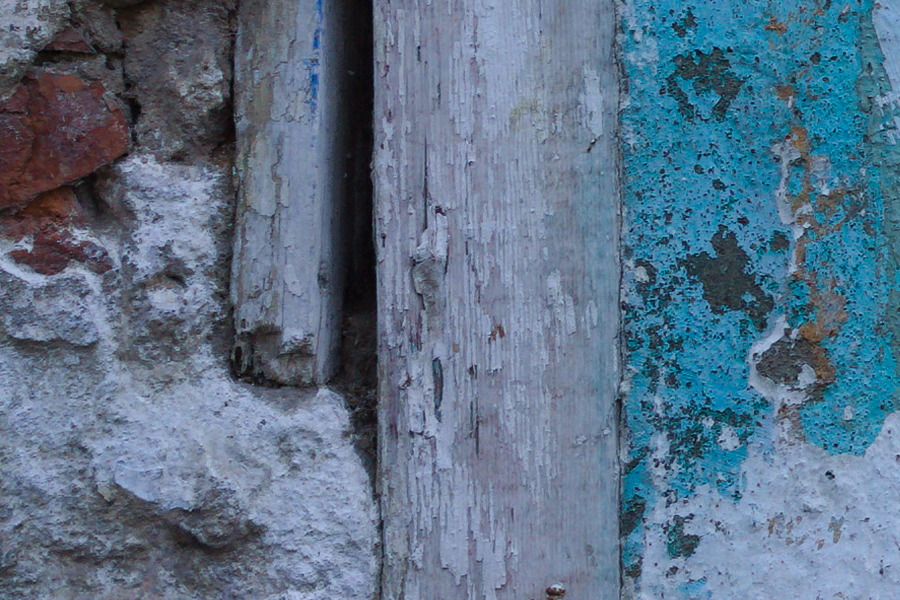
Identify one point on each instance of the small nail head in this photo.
(557, 590)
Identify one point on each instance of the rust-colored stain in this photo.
(800, 140)
(828, 304)
(785, 92)
(835, 527)
(776, 26)
(790, 415)
(830, 308)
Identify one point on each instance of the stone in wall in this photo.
(178, 73)
(55, 129)
(27, 27)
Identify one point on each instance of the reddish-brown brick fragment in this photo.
(47, 220)
(57, 208)
(54, 250)
(70, 40)
(54, 130)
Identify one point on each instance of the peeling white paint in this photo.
(886, 19)
(778, 394)
(289, 263)
(496, 237)
(787, 152)
(802, 513)
(592, 101)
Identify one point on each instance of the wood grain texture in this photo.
(497, 234)
(288, 276)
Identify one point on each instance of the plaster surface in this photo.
(132, 463)
(759, 290)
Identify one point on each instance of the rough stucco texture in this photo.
(760, 458)
(132, 465)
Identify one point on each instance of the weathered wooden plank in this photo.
(288, 275)
(496, 234)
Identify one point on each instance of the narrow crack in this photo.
(357, 378)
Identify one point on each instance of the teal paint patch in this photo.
(679, 543)
(759, 191)
(694, 590)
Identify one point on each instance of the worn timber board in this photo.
(496, 239)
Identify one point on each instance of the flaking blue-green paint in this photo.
(713, 91)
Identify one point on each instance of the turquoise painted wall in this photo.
(760, 298)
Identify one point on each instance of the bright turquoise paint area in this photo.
(713, 90)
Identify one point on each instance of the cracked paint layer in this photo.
(760, 298)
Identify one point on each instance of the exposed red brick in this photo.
(54, 250)
(47, 220)
(57, 208)
(54, 130)
(70, 40)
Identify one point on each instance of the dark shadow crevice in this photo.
(357, 378)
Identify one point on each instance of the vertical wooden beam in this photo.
(497, 235)
(288, 276)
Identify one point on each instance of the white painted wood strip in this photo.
(288, 275)
(497, 236)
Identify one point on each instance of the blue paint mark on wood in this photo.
(312, 63)
(760, 281)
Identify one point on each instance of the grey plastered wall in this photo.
(132, 463)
